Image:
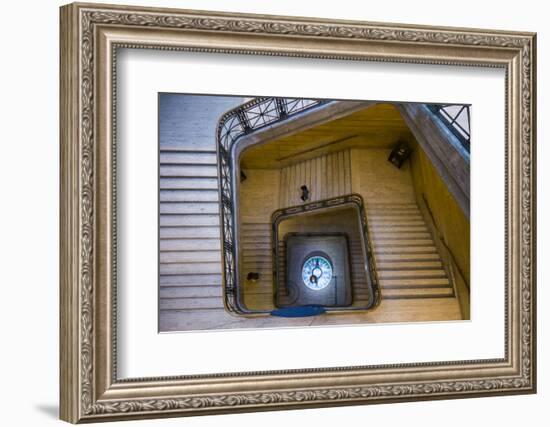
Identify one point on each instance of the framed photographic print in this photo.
(266, 212)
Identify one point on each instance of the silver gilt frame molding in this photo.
(90, 37)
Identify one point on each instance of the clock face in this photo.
(316, 272)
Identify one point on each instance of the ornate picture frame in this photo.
(90, 37)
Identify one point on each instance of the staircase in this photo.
(256, 257)
(407, 262)
(190, 253)
(410, 271)
(414, 283)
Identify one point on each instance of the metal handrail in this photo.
(352, 199)
(448, 254)
(243, 120)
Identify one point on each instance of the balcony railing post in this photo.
(243, 120)
(281, 108)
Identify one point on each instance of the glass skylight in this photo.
(457, 120)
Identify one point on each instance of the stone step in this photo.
(187, 158)
(254, 240)
(402, 274)
(257, 257)
(249, 226)
(417, 293)
(406, 257)
(189, 184)
(191, 171)
(264, 265)
(184, 208)
(390, 310)
(190, 268)
(388, 204)
(415, 282)
(190, 280)
(191, 291)
(259, 301)
(263, 272)
(249, 246)
(408, 243)
(406, 222)
(189, 220)
(253, 234)
(393, 210)
(190, 303)
(397, 235)
(188, 196)
(189, 244)
(195, 232)
(404, 250)
(394, 216)
(190, 256)
(398, 228)
(410, 265)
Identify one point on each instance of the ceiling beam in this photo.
(437, 142)
(298, 123)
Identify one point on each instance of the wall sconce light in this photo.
(399, 154)
(252, 276)
(305, 193)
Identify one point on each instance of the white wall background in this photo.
(29, 170)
